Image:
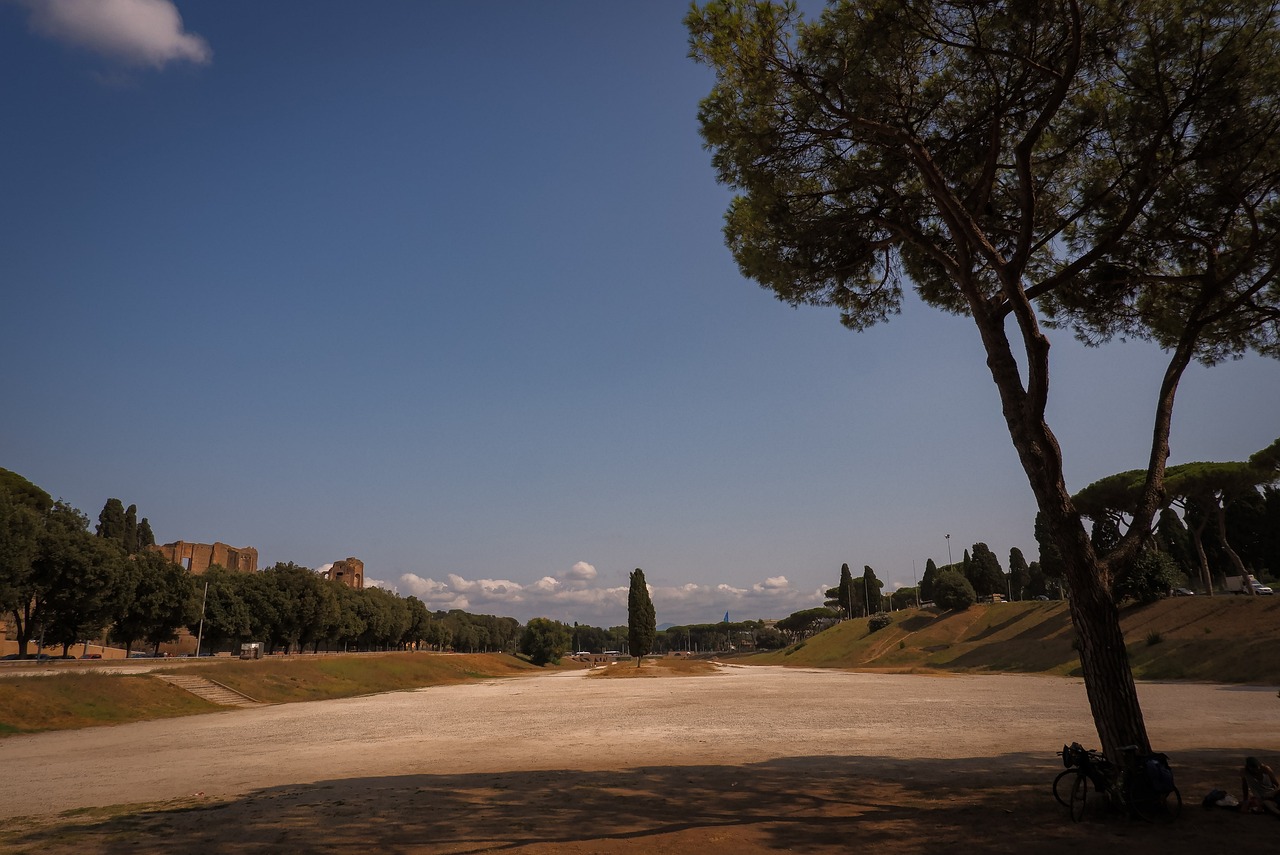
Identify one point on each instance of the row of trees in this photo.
(1220, 518)
(61, 584)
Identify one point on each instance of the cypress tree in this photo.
(130, 538)
(642, 626)
(111, 521)
(926, 581)
(1019, 573)
(145, 537)
(871, 589)
(846, 590)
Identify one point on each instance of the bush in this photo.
(951, 590)
(879, 621)
(1147, 579)
(1154, 637)
(545, 641)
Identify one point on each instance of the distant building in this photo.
(198, 557)
(348, 571)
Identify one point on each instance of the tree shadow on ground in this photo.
(799, 804)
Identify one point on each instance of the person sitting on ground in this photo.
(1260, 788)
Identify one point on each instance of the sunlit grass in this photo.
(66, 701)
(75, 700)
(1037, 638)
(300, 678)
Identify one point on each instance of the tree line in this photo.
(62, 584)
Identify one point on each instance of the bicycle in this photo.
(1143, 784)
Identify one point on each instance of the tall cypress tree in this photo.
(111, 521)
(846, 590)
(642, 626)
(1019, 573)
(871, 589)
(145, 537)
(130, 538)
(926, 581)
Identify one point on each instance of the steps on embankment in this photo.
(209, 690)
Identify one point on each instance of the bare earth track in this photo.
(750, 759)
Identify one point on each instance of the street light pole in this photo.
(949, 561)
(914, 582)
(200, 634)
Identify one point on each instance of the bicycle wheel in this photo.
(1079, 795)
(1146, 804)
(1062, 786)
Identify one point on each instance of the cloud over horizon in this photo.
(571, 596)
(134, 32)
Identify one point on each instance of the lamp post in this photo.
(915, 582)
(949, 561)
(200, 635)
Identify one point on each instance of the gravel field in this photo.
(553, 733)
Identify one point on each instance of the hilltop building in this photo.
(348, 571)
(198, 557)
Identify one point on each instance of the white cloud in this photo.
(571, 598)
(134, 32)
(581, 572)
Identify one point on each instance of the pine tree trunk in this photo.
(1108, 679)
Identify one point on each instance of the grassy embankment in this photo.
(74, 700)
(1221, 639)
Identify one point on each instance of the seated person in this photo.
(1260, 788)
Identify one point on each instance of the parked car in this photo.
(1259, 588)
(1042, 598)
(92, 656)
(1183, 592)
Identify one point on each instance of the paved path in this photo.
(570, 721)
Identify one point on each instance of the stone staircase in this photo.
(209, 690)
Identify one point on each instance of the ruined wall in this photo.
(348, 571)
(197, 557)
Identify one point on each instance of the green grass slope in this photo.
(1221, 639)
(86, 699)
(278, 680)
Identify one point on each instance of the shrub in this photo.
(1147, 579)
(879, 621)
(1154, 637)
(545, 641)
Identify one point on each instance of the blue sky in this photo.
(442, 286)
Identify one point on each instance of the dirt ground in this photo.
(748, 759)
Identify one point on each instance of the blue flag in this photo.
(726, 617)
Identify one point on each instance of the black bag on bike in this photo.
(1158, 773)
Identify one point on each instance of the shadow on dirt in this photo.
(801, 804)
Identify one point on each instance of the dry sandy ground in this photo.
(750, 759)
